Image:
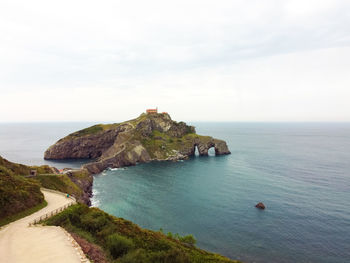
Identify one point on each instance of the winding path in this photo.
(21, 243)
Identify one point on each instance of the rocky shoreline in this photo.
(85, 185)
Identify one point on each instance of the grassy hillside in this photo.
(119, 240)
(17, 195)
(21, 196)
(161, 145)
(59, 182)
(91, 130)
(73, 183)
(21, 169)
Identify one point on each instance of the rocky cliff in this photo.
(146, 138)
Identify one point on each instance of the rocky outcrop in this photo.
(84, 147)
(219, 146)
(260, 206)
(146, 138)
(84, 181)
(135, 154)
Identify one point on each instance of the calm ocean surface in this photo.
(301, 171)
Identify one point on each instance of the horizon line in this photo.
(212, 121)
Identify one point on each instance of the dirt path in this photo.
(20, 243)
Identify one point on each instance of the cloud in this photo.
(107, 60)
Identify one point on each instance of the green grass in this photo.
(161, 145)
(24, 213)
(66, 184)
(124, 241)
(81, 174)
(60, 183)
(91, 130)
(21, 169)
(15, 168)
(95, 129)
(103, 127)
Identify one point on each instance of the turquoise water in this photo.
(301, 171)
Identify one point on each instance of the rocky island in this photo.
(152, 136)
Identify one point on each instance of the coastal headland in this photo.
(90, 231)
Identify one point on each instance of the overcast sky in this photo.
(263, 60)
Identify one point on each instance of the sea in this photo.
(300, 171)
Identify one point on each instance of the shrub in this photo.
(124, 242)
(17, 194)
(93, 222)
(118, 245)
(136, 256)
(106, 231)
(5, 171)
(60, 219)
(189, 239)
(75, 219)
(173, 255)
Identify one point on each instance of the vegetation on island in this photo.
(92, 130)
(119, 240)
(161, 145)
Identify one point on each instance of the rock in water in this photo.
(146, 138)
(260, 205)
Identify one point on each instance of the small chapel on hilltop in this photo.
(154, 111)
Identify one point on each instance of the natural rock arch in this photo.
(203, 147)
(196, 150)
(210, 150)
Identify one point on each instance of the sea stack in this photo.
(260, 205)
(151, 136)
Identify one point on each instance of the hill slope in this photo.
(125, 242)
(17, 194)
(13, 184)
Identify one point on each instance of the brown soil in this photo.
(93, 251)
